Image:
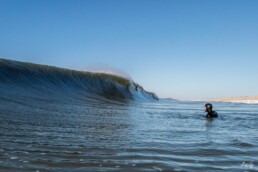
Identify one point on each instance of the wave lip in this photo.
(42, 78)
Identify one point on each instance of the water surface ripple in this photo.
(67, 135)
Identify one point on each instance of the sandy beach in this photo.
(244, 99)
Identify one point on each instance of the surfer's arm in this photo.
(207, 116)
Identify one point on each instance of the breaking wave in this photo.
(18, 78)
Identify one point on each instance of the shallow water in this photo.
(41, 134)
(54, 119)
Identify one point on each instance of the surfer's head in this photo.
(208, 107)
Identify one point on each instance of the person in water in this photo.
(210, 112)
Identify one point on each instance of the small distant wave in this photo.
(238, 101)
(245, 101)
(43, 79)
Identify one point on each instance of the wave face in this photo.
(26, 78)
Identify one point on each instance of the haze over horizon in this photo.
(180, 49)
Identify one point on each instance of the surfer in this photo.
(211, 113)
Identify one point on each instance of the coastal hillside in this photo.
(243, 99)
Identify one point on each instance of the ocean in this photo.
(54, 119)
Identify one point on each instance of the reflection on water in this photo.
(78, 135)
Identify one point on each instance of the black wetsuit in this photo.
(212, 114)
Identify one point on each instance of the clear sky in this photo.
(185, 49)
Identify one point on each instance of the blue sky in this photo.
(185, 49)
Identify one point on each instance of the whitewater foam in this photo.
(244, 101)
